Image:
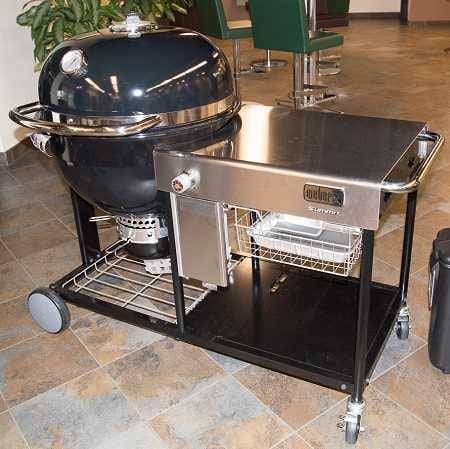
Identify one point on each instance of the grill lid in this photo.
(128, 73)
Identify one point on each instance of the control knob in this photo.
(185, 181)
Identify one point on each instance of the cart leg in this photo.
(87, 231)
(355, 405)
(403, 321)
(178, 289)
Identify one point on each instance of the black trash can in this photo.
(439, 298)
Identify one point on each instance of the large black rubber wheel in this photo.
(49, 310)
(403, 330)
(351, 432)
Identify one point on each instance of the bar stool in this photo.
(331, 14)
(283, 25)
(213, 22)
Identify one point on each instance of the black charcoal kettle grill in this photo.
(265, 211)
(108, 99)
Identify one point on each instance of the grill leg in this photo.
(355, 404)
(178, 289)
(87, 231)
(403, 323)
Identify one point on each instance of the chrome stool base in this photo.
(265, 65)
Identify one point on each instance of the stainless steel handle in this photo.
(20, 115)
(413, 184)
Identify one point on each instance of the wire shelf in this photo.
(305, 243)
(122, 280)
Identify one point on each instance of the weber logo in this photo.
(323, 195)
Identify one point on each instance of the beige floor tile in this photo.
(229, 364)
(7, 181)
(293, 442)
(10, 437)
(16, 323)
(28, 175)
(421, 388)
(60, 205)
(429, 225)
(37, 238)
(2, 404)
(418, 304)
(15, 196)
(162, 374)
(387, 426)
(14, 281)
(295, 401)
(223, 416)
(109, 339)
(13, 220)
(87, 413)
(5, 255)
(51, 264)
(36, 365)
(396, 350)
(388, 248)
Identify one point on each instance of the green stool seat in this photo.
(214, 23)
(283, 25)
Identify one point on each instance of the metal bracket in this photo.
(404, 315)
(158, 266)
(353, 415)
(40, 141)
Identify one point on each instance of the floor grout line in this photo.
(341, 401)
(19, 430)
(93, 370)
(411, 413)
(132, 405)
(265, 407)
(190, 397)
(26, 340)
(17, 260)
(220, 366)
(397, 363)
(58, 218)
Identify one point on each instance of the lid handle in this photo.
(132, 25)
(20, 115)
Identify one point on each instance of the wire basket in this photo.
(297, 241)
(122, 280)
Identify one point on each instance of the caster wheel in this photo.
(403, 330)
(351, 432)
(48, 310)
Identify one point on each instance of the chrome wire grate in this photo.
(122, 280)
(333, 249)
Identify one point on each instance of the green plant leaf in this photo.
(178, 8)
(58, 30)
(42, 10)
(77, 8)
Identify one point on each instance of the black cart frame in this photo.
(210, 325)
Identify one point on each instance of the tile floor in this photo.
(104, 384)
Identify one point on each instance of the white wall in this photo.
(18, 81)
(375, 5)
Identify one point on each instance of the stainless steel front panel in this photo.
(267, 188)
(200, 234)
(318, 165)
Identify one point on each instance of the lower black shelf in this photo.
(306, 329)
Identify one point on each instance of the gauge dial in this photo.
(73, 62)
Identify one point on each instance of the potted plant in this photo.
(52, 21)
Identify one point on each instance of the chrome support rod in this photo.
(299, 80)
(237, 63)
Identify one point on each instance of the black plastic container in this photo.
(439, 291)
